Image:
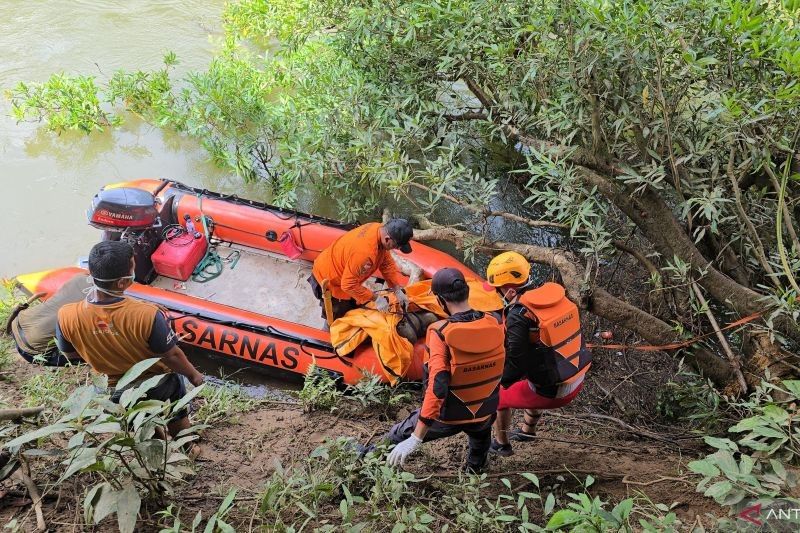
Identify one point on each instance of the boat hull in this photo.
(243, 334)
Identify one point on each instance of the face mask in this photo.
(95, 289)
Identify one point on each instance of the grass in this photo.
(50, 387)
(8, 299)
(223, 403)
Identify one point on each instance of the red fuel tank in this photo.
(176, 258)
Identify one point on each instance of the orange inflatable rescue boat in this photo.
(249, 298)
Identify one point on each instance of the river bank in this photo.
(252, 442)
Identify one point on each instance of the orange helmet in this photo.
(508, 268)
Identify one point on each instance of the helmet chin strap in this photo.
(517, 292)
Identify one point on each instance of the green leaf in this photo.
(152, 452)
(776, 414)
(197, 519)
(79, 399)
(131, 396)
(769, 432)
(183, 402)
(747, 424)
(83, 458)
(623, 509)
(104, 427)
(532, 478)
(135, 371)
(721, 444)
(38, 434)
(76, 440)
(100, 502)
(128, 503)
(746, 464)
(778, 468)
(562, 518)
(89, 501)
(718, 490)
(425, 518)
(227, 502)
(704, 468)
(733, 497)
(793, 385)
(549, 504)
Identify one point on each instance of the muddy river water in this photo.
(47, 181)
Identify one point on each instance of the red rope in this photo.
(674, 345)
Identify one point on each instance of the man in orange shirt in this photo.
(354, 257)
(465, 356)
(113, 332)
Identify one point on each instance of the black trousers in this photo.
(478, 433)
(340, 307)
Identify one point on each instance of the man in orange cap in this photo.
(546, 358)
(355, 257)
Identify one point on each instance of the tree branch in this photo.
(732, 359)
(787, 216)
(468, 115)
(655, 273)
(758, 246)
(488, 213)
(576, 155)
(592, 298)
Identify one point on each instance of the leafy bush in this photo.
(773, 429)
(119, 442)
(335, 489)
(694, 400)
(730, 480)
(320, 390)
(65, 102)
(333, 472)
(586, 513)
(371, 392)
(46, 388)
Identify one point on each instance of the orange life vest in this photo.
(557, 325)
(477, 355)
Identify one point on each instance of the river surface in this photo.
(47, 181)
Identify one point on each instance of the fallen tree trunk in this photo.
(593, 298)
(14, 414)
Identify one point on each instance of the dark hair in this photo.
(459, 292)
(110, 260)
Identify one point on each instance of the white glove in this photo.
(401, 452)
(382, 304)
(402, 299)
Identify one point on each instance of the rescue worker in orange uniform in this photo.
(546, 357)
(113, 332)
(465, 356)
(354, 257)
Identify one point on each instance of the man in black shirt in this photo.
(546, 359)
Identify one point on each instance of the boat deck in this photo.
(261, 282)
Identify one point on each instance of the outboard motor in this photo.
(131, 215)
